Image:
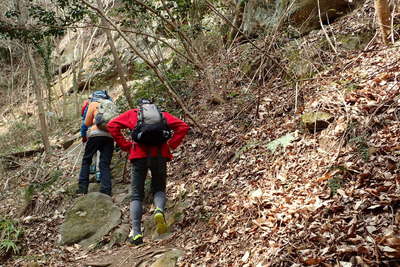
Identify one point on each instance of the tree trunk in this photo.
(61, 85)
(37, 85)
(383, 13)
(117, 60)
(237, 22)
(75, 88)
(39, 100)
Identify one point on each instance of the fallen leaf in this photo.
(246, 256)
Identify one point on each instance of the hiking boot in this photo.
(98, 177)
(81, 190)
(135, 240)
(159, 219)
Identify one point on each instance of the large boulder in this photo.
(119, 236)
(91, 218)
(303, 15)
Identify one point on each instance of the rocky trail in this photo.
(240, 198)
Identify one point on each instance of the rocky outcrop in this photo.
(303, 15)
(173, 214)
(316, 121)
(91, 218)
(168, 259)
(307, 15)
(259, 15)
(283, 141)
(119, 236)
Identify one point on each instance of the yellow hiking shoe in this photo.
(135, 240)
(159, 219)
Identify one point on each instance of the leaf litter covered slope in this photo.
(328, 198)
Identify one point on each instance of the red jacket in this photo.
(137, 151)
(84, 106)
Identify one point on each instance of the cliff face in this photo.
(303, 15)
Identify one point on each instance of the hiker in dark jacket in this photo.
(144, 157)
(96, 140)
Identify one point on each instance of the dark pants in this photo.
(105, 145)
(140, 167)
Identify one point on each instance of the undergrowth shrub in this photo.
(335, 183)
(20, 135)
(10, 237)
(45, 187)
(41, 186)
(177, 76)
(357, 136)
(362, 146)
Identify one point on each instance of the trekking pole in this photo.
(124, 173)
(77, 158)
(72, 150)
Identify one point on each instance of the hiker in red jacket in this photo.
(144, 155)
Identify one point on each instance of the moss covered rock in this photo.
(316, 121)
(355, 41)
(168, 259)
(120, 235)
(90, 219)
(173, 214)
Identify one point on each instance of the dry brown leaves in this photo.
(260, 209)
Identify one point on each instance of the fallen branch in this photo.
(77, 158)
(23, 154)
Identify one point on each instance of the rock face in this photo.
(301, 14)
(92, 217)
(305, 15)
(120, 235)
(168, 259)
(316, 121)
(259, 14)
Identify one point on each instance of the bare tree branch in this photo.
(150, 64)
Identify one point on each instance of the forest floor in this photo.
(328, 198)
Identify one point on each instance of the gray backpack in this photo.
(152, 128)
(107, 111)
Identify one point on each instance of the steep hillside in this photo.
(259, 185)
(329, 197)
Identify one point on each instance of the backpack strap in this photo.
(84, 108)
(140, 118)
